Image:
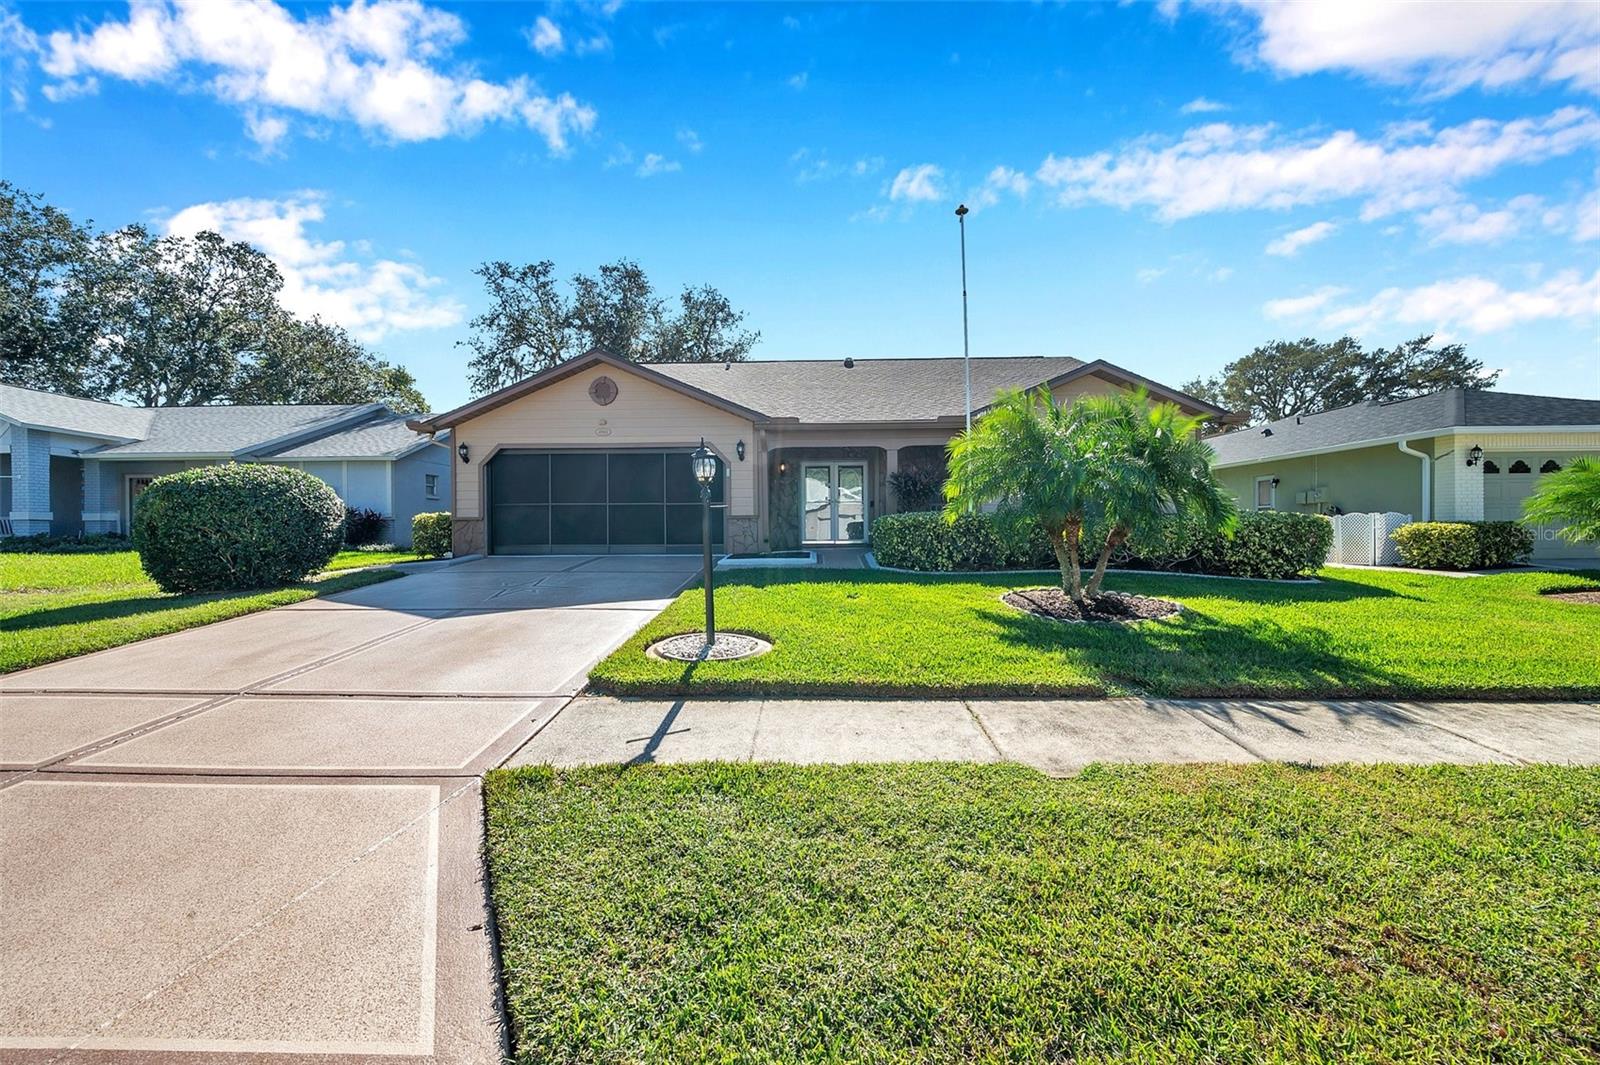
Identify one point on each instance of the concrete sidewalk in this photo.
(1062, 736)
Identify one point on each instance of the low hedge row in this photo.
(1268, 544)
(1459, 545)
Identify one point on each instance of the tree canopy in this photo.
(1308, 376)
(532, 323)
(166, 321)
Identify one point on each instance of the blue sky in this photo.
(1161, 186)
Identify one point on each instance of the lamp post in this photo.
(704, 464)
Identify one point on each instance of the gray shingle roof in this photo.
(84, 417)
(225, 430)
(1423, 416)
(873, 390)
(323, 430)
(384, 438)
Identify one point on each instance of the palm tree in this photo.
(1092, 474)
(1572, 496)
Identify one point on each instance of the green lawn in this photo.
(356, 559)
(921, 913)
(55, 606)
(1355, 632)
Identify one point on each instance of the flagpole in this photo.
(966, 351)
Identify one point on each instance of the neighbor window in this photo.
(430, 485)
(1266, 493)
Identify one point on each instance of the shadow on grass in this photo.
(1323, 590)
(156, 604)
(1197, 655)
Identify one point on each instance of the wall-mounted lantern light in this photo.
(738, 449)
(1274, 482)
(1474, 456)
(783, 468)
(461, 449)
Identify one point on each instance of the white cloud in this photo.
(1220, 167)
(381, 64)
(818, 166)
(369, 297)
(1151, 273)
(266, 130)
(594, 44)
(654, 164)
(1220, 274)
(1445, 45)
(1002, 179)
(1587, 226)
(917, 184)
(690, 140)
(544, 37)
(1291, 243)
(1201, 106)
(1466, 223)
(1298, 306)
(1474, 303)
(799, 81)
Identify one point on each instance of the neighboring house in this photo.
(70, 466)
(593, 455)
(1456, 455)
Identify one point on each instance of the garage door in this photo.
(585, 502)
(1508, 478)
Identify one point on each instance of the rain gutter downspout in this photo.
(1427, 478)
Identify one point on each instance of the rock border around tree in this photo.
(1106, 608)
(691, 647)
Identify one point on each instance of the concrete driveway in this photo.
(258, 840)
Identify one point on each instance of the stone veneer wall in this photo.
(466, 536)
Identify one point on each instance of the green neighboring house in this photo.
(1456, 455)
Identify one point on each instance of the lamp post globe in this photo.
(703, 461)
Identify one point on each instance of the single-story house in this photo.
(70, 465)
(1456, 455)
(593, 455)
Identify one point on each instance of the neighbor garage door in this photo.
(1508, 478)
(582, 502)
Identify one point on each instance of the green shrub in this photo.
(88, 544)
(430, 533)
(1437, 544)
(917, 488)
(1502, 543)
(918, 540)
(1269, 545)
(222, 528)
(362, 525)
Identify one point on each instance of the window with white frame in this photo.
(1266, 493)
(430, 485)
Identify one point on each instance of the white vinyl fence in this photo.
(1366, 539)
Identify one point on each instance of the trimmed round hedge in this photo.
(232, 527)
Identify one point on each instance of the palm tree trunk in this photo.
(1065, 545)
(1113, 538)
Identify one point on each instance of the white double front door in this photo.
(833, 503)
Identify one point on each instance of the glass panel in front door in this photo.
(816, 515)
(851, 508)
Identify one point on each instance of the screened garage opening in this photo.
(597, 502)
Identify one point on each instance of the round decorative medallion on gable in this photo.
(602, 390)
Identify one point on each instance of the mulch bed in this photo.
(1105, 608)
(1592, 598)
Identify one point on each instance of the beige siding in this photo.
(644, 414)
